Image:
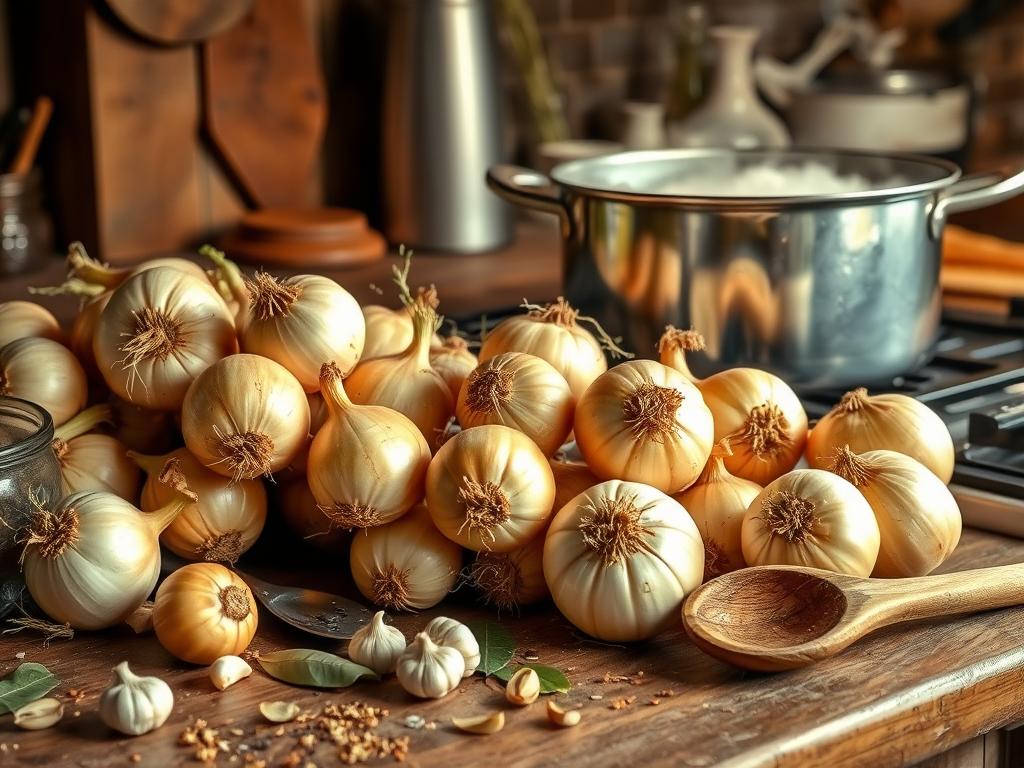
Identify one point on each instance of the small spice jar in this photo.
(28, 469)
(26, 233)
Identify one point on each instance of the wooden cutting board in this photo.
(265, 103)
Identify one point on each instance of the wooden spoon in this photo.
(771, 618)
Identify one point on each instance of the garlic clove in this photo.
(481, 724)
(228, 670)
(377, 645)
(523, 687)
(563, 718)
(280, 711)
(39, 714)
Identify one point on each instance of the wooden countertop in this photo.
(895, 698)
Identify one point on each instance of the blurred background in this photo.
(168, 125)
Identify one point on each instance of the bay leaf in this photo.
(30, 681)
(317, 669)
(552, 680)
(496, 646)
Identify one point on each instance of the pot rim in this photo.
(948, 174)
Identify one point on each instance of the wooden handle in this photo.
(947, 595)
(33, 136)
(962, 246)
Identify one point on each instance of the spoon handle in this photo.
(928, 597)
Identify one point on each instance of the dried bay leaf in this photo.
(552, 680)
(496, 645)
(317, 669)
(30, 681)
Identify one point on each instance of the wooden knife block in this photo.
(129, 172)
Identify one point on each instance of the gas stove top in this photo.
(975, 382)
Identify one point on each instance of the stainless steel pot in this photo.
(837, 289)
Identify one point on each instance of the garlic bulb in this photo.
(428, 670)
(367, 465)
(47, 374)
(454, 361)
(407, 382)
(26, 319)
(92, 462)
(453, 634)
(918, 518)
(228, 670)
(94, 559)
(718, 502)
(160, 329)
(377, 645)
(890, 422)
(135, 705)
(406, 565)
(519, 391)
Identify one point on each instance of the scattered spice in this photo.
(596, 697)
(530, 655)
(665, 693)
(135, 757)
(637, 678)
(623, 703)
(654, 702)
(76, 694)
(19, 655)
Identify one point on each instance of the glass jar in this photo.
(27, 465)
(26, 233)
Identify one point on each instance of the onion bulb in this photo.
(490, 488)
(520, 391)
(160, 329)
(673, 346)
(889, 422)
(301, 321)
(94, 558)
(83, 267)
(917, 516)
(406, 565)
(305, 518)
(245, 416)
(367, 464)
(407, 382)
(46, 373)
(571, 479)
(644, 422)
(388, 331)
(83, 330)
(718, 502)
(223, 522)
(511, 579)
(141, 429)
(553, 333)
(619, 560)
(95, 462)
(812, 518)
(454, 361)
(25, 320)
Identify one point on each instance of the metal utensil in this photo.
(773, 618)
(836, 289)
(318, 613)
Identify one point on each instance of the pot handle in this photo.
(528, 188)
(987, 189)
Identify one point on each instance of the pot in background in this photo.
(833, 289)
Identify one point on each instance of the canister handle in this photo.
(528, 188)
(994, 188)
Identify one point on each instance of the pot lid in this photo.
(888, 82)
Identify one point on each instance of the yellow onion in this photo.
(644, 422)
(317, 418)
(305, 518)
(301, 322)
(890, 422)
(141, 429)
(368, 463)
(571, 479)
(511, 579)
(812, 518)
(94, 462)
(245, 416)
(718, 502)
(673, 346)
(388, 331)
(160, 329)
(490, 488)
(46, 373)
(406, 565)
(26, 319)
(520, 391)
(94, 558)
(454, 361)
(619, 560)
(407, 382)
(224, 521)
(553, 333)
(83, 330)
(917, 516)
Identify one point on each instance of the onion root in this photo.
(650, 411)
(786, 514)
(613, 529)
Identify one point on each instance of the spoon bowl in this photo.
(773, 618)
